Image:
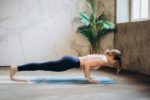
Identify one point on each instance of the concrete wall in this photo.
(37, 30)
(133, 39)
(107, 41)
(40, 30)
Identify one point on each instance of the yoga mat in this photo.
(58, 80)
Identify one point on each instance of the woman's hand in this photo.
(93, 81)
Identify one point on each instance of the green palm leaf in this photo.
(94, 28)
(84, 18)
(86, 31)
(106, 24)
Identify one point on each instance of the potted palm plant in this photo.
(93, 27)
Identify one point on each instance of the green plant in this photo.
(94, 28)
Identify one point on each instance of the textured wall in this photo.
(37, 30)
(107, 41)
(40, 30)
(133, 39)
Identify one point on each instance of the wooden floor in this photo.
(129, 86)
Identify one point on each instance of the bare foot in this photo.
(19, 80)
(13, 71)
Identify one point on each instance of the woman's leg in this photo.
(65, 63)
(47, 66)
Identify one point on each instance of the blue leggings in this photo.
(65, 63)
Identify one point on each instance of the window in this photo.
(122, 11)
(139, 10)
(132, 10)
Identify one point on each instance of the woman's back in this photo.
(99, 57)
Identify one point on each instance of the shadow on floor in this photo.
(130, 75)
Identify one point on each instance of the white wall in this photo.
(38, 30)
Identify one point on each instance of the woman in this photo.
(88, 62)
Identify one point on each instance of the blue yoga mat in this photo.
(70, 80)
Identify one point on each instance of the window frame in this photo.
(130, 13)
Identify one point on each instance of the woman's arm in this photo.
(88, 65)
(83, 69)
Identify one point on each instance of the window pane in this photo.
(122, 11)
(136, 9)
(144, 8)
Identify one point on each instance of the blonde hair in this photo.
(117, 56)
